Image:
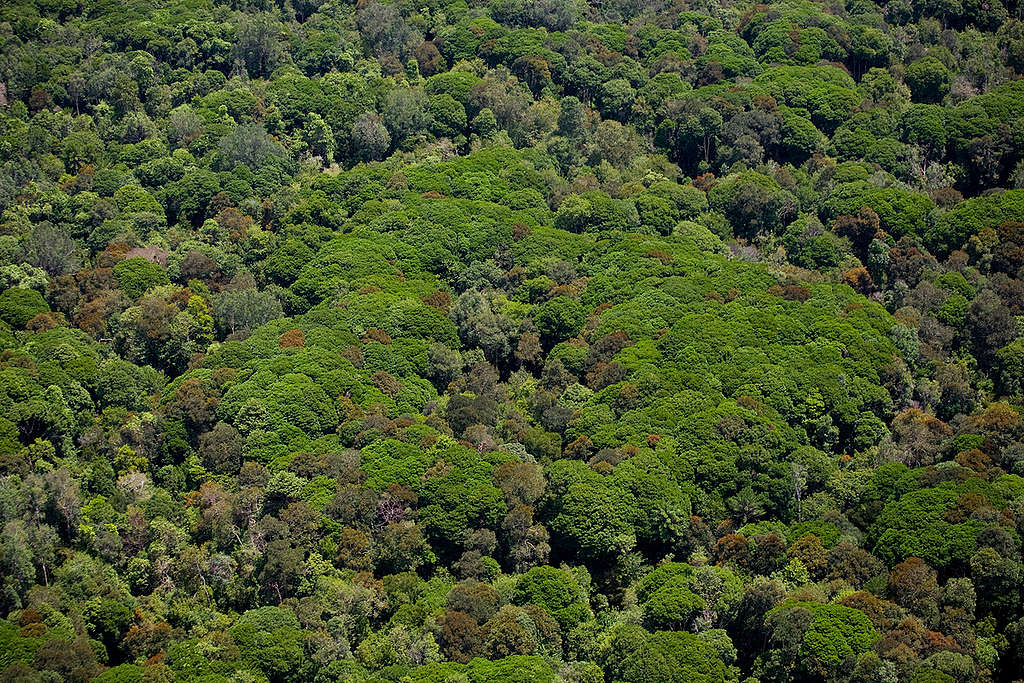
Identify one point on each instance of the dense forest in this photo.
(523, 340)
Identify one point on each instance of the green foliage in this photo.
(511, 341)
(557, 591)
(136, 276)
(952, 229)
(595, 520)
(836, 634)
(560, 318)
(270, 641)
(19, 305)
(928, 79)
(932, 538)
(674, 656)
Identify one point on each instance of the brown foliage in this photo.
(387, 383)
(731, 548)
(859, 279)
(919, 437)
(461, 637)
(705, 181)
(860, 228)
(442, 301)
(661, 255)
(354, 354)
(809, 550)
(377, 335)
(974, 459)
(151, 254)
(46, 321)
(354, 550)
(235, 222)
(1008, 253)
(292, 339)
(605, 374)
(528, 350)
(195, 401)
(520, 482)
(913, 585)
(791, 292)
(855, 566)
(579, 448)
(520, 231)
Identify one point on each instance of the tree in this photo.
(220, 449)
(521, 482)
(370, 136)
(183, 125)
(245, 309)
(480, 327)
(615, 97)
(550, 14)
(991, 325)
(860, 228)
(558, 592)
(287, 261)
(516, 668)
(385, 31)
(673, 605)
(800, 137)
(429, 59)
(270, 640)
(319, 138)
(448, 117)
(1008, 369)
(928, 79)
(257, 45)
(618, 144)
(997, 580)
(405, 113)
(516, 631)
(559, 318)
(136, 276)
(486, 123)
(52, 249)
(674, 656)
(913, 584)
(594, 521)
(478, 600)
(746, 505)
(751, 201)
(461, 636)
(18, 306)
(249, 144)
(571, 118)
(835, 635)
(107, 621)
(400, 546)
(925, 125)
(626, 340)
(701, 131)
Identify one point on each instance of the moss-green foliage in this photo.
(836, 634)
(672, 595)
(674, 656)
(511, 341)
(918, 525)
(269, 641)
(516, 669)
(557, 591)
(18, 306)
(971, 216)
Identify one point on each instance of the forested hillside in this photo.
(619, 341)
